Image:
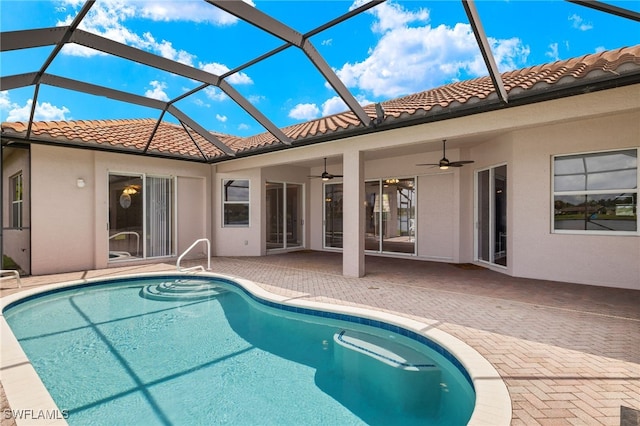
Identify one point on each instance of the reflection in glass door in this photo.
(390, 215)
(126, 207)
(491, 215)
(141, 217)
(283, 206)
(333, 215)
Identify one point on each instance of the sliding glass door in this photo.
(390, 225)
(283, 206)
(390, 215)
(333, 215)
(159, 216)
(491, 215)
(141, 217)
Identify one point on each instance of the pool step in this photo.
(388, 371)
(182, 289)
(384, 350)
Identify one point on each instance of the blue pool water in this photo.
(108, 355)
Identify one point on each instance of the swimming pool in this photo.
(310, 365)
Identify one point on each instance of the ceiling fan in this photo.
(444, 164)
(326, 175)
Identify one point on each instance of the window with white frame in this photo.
(16, 200)
(596, 192)
(235, 202)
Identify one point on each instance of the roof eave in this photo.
(538, 93)
(8, 137)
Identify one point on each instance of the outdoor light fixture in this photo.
(80, 183)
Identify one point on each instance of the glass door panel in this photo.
(491, 214)
(126, 208)
(333, 215)
(484, 213)
(373, 207)
(398, 216)
(284, 209)
(390, 215)
(294, 215)
(275, 215)
(159, 217)
(500, 202)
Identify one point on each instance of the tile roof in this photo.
(172, 140)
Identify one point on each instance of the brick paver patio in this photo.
(569, 354)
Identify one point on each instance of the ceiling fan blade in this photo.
(460, 163)
(428, 164)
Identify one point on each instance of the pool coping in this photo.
(25, 391)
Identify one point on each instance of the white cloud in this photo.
(553, 52)
(243, 126)
(5, 102)
(185, 11)
(408, 59)
(333, 106)
(44, 111)
(158, 91)
(255, 99)
(222, 118)
(219, 69)
(48, 112)
(510, 54)
(579, 23)
(336, 105)
(107, 18)
(304, 112)
(391, 16)
(166, 50)
(201, 103)
(215, 94)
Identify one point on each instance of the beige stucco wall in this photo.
(63, 215)
(69, 224)
(240, 240)
(194, 213)
(603, 260)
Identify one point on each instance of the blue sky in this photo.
(395, 49)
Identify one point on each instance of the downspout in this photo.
(213, 169)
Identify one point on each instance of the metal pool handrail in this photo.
(129, 233)
(13, 272)
(201, 240)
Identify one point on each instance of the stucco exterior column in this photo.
(353, 214)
